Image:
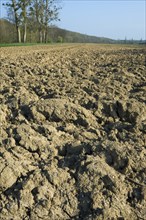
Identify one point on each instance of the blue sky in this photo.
(115, 19)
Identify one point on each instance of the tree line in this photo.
(54, 35)
(32, 15)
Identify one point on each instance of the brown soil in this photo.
(73, 133)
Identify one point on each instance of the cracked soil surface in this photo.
(73, 132)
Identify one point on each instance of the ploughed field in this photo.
(73, 132)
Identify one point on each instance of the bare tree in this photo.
(24, 9)
(15, 6)
(51, 14)
(43, 12)
(37, 12)
(19, 9)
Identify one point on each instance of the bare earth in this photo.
(73, 133)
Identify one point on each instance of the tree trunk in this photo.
(24, 9)
(40, 36)
(30, 36)
(15, 9)
(46, 36)
(18, 34)
(25, 33)
(46, 20)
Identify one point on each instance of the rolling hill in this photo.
(55, 34)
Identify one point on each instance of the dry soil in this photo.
(73, 133)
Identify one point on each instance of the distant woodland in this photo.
(30, 21)
(8, 34)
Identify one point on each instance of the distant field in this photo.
(22, 44)
(73, 122)
(48, 44)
